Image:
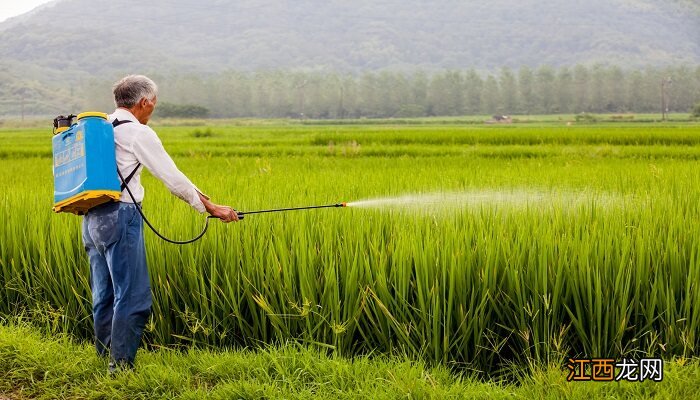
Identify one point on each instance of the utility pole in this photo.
(665, 83)
(22, 94)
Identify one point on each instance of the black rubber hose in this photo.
(138, 207)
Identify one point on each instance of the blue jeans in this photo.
(121, 291)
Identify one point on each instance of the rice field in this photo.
(476, 247)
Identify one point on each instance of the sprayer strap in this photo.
(131, 175)
(115, 124)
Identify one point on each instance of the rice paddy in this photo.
(468, 246)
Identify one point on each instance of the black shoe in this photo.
(116, 366)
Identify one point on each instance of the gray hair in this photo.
(129, 90)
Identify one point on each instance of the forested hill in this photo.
(67, 45)
(102, 36)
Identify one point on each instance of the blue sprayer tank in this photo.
(84, 163)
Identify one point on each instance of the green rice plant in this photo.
(566, 241)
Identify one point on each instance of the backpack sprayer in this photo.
(86, 175)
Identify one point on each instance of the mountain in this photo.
(74, 41)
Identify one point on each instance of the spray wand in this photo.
(242, 213)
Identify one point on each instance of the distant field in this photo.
(549, 119)
(522, 243)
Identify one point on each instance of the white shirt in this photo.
(136, 143)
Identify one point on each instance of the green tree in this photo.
(695, 112)
(446, 93)
(635, 84)
(368, 101)
(508, 91)
(393, 92)
(598, 91)
(419, 90)
(545, 90)
(684, 89)
(581, 89)
(615, 84)
(472, 89)
(490, 99)
(525, 90)
(565, 90)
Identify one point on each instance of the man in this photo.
(113, 232)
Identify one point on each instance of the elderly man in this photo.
(113, 232)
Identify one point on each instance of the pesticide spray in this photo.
(510, 199)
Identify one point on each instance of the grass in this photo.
(35, 366)
(610, 273)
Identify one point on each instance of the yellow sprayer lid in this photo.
(92, 114)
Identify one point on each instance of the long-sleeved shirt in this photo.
(138, 143)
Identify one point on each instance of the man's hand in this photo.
(224, 213)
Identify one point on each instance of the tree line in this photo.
(387, 94)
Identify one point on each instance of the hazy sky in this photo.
(10, 8)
